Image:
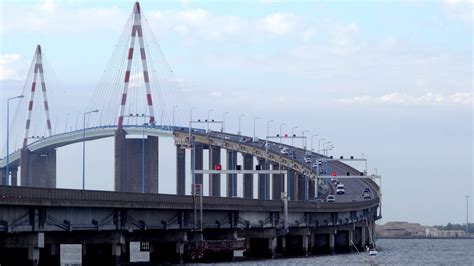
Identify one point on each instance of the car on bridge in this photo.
(367, 194)
(331, 198)
(285, 150)
(340, 189)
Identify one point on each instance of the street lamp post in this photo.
(324, 147)
(319, 144)
(292, 134)
(254, 120)
(84, 148)
(7, 174)
(240, 118)
(208, 115)
(223, 121)
(304, 139)
(312, 138)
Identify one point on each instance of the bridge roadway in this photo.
(37, 220)
(354, 187)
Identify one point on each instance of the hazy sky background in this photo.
(392, 80)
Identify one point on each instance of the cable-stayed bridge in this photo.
(291, 212)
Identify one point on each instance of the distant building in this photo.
(400, 230)
(436, 233)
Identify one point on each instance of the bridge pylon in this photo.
(38, 169)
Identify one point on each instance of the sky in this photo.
(391, 80)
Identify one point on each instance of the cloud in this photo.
(396, 98)
(50, 17)
(279, 23)
(12, 66)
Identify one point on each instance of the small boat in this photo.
(372, 252)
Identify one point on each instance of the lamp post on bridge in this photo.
(292, 134)
(84, 148)
(312, 140)
(208, 115)
(223, 121)
(324, 147)
(240, 118)
(7, 174)
(319, 144)
(254, 120)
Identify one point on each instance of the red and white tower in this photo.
(38, 69)
(136, 32)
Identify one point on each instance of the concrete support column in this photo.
(197, 158)
(38, 169)
(180, 171)
(248, 178)
(351, 239)
(14, 177)
(302, 186)
(305, 245)
(134, 158)
(3, 174)
(50, 255)
(33, 255)
(311, 184)
(291, 183)
(332, 241)
(263, 180)
(231, 178)
(277, 183)
(214, 179)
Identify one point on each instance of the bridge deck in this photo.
(27, 196)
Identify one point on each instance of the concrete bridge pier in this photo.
(231, 178)
(180, 171)
(214, 179)
(278, 183)
(248, 178)
(38, 169)
(134, 158)
(3, 176)
(292, 185)
(197, 158)
(311, 188)
(263, 180)
(303, 187)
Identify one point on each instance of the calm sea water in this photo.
(390, 252)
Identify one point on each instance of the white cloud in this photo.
(12, 66)
(457, 98)
(279, 23)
